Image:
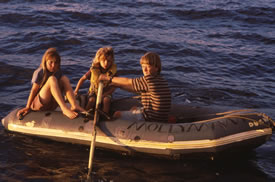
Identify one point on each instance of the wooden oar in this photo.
(96, 117)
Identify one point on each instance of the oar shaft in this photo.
(91, 156)
(96, 116)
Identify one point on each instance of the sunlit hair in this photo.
(103, 53)
(152, 59)
(50, 54)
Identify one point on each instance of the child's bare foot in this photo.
(78, 108)
(117, 115)
(69, 113)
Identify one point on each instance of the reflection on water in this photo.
(52, 161)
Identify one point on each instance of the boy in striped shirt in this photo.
(154, 90)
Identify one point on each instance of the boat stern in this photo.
(273, 125)
(272, 122)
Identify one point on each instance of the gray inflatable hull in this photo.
(209, 131)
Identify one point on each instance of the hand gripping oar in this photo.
(96, 116)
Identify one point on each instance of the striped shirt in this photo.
(155, 97)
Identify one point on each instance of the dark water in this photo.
(214, 53)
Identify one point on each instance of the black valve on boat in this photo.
(21, 116)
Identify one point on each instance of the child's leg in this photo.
(52, 89)
(106, 104)
(68, 90)
(91, 102)
(132, 115)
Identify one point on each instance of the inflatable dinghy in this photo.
(195, 130)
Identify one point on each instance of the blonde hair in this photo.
(50, 54)
(104, 52)
(152, 59)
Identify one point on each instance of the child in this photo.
(154, 90)
(48, 83)
(103, 63)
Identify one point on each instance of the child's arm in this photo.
(34, 91)
(121, 82)
(79, 84)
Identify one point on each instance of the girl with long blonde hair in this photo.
(48, 86)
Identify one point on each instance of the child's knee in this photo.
(65, 79)
(52, 79)
(106, 100)
(64, 82)
(91, 100)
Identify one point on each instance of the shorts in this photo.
(134, 115)
(37, 105)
